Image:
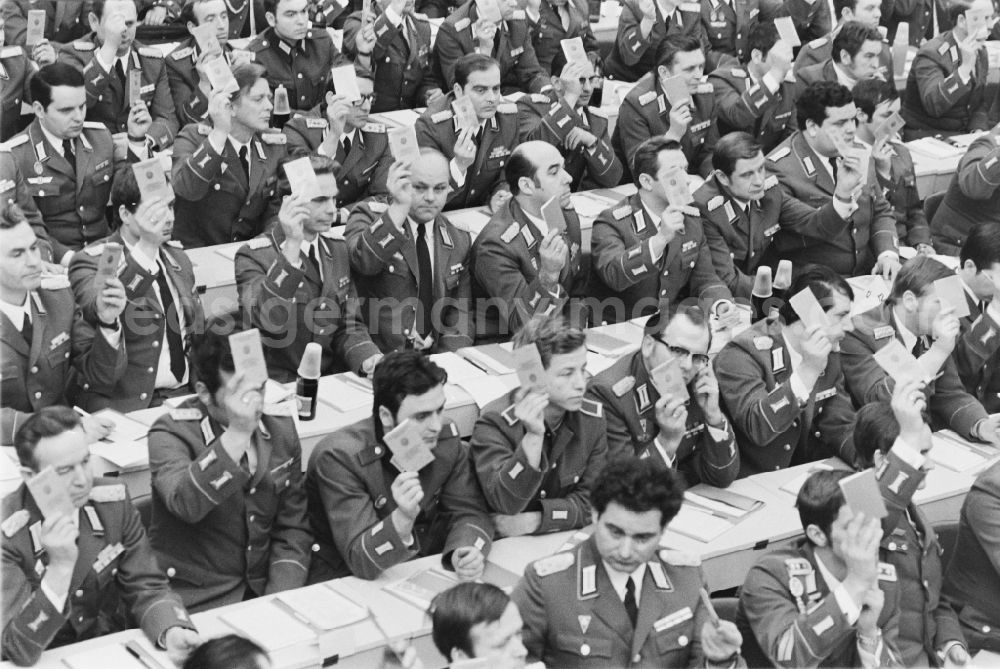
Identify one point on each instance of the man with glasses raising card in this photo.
(662, 402)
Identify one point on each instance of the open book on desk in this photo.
(695, 522)
(731, 504)
(491, 358)
(134, 654)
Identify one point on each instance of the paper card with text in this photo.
(898, 362)
(888, 129)
(675, 184)
(403, 144)
(35, 28)
(951, 292)
(51, 494)
(489, 10)
(220, 76)
(465, 114)
(676, 90)
(248, 355)
(302, 177)
(552, 214)
(808, 309)
(786, 31)
(409, 452)
(902, 33)
(107, 265)
(529, 368)
(207, 40)
(345, 82)
(862, 494)
(152, 179)
(863, 154)
(134, 86)
(668, 379)
(575, 52)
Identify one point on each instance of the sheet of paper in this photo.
(420, 588)
(809, 310)
(793, 486)
(342, 396)
(323, 607)
(489, 10)
(862, 494)
(675, 183)
(488, 388)
(529, 368)
(786, 31)
(35, 28)
(698, 524)
(898, 362)
(552, 214)
(248, 355)
(605, 344)
(456, 366)
(575, 52)
(302, 178)
(676, 90)
(465, 113)
(127, 430)
(51, 494)
(152, 179)
(951, 455)
(205, 36)
(103, 657)
(345, 82)
(410, 453)
(403, 144)
(668, 379)
(479, 357)
(268, 625)
(951, 291)
(220, 76)
(863, 154)
(107, 266)
(125, 455)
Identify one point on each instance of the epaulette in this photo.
(449, 431)
(462, 24)
(704, 89)
(17, 140)
(517, 96)
(778, 154)
(94, 249)
(508, 415)
(647, 97)
(943, 49)
(592, 408)
(11, 51)
(419, 16)
(540, 98)
(507, 108)
(204, 129)
(108, 493)
(378, 207)
(273, 138)
(94, 125)
(181, 54)
(438, 117)
(737, 72)
(81, 45)
(597, 111)
(374, 127)
(623, 386)
(818, 42)
(770, 182)
(54, 281)
(690, 7)
(715, 202)
(312, 122)
(680, 558)
(883, 331)
(190, 413)
(176, 243)
(258, 243)
(518, 15)
(13, 524)
(622, 212)
(763, 343)
(150, 52)
(508, 235)
(554, 564)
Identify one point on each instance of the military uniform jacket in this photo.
(115, 565)
(972, 196)
(143, 320)
(72, 199)
(901, 192)
(742, 103)
(519, 68)
(633, 56)
(437, 130)
(16, 70)
(773, 429)
(14, 189)
(207, 181)
(624, 262)
(350, 501)
(572, 457)
(917, 13)
(401, 60)
(574, 618)
(739, 239)
(548, 32)
(812, 19)
(74, 23)
(190, 103)
(728, 31)
(629, 400)
(303, 68)
(787, 608)
(936, 100)
(547, 117)
(363, 172)
(976, 358)
(44, 372)
(506, 260)
(645, 113)
(821, 51)
(384, 264)
(218, 529)
(850, 250)
(107, 97)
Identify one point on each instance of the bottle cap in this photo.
(312, 357)
(783, 277)
(762, 284)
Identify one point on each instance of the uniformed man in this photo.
(642, 27)
(972, 196)
(926, 19)
(563, 118)
(369, 511)
(508, 42)
(976, 348)
(295, 285)
(876, 101)
(68, 163)
(523, 263)
(478, 620)
(395, 47)
(647, 112)
(727, 27)
(229, 516)
(946, 88)
(811, 19)
(855, 54)
(17, 69)
(477, 156)
(867, 12)
(163, 307)
(614, 600)
(343, 132)
(246, 19)
(674, 432)
(230, 168)
(66, 574)
(913, 314)
(107, 57)
(538, 451)
(759, 98)
(781, 383)
(827, 601)
(648, 251)
(742, 209)
(412, 264)
(555, 20)
(294, 55)
(65, 20)
(809, 169)
(14, 190)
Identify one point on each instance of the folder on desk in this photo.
(287, 641)
(794, 485)
(456, 366)
(420, 588)
(490, 358)
(127, 430)
(699, 524)
(343, 396)
(605, 344)
(322, 607)
(726, 502)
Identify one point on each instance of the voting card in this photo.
(248, 355)
(902, 34)
(675, 183)
(134, 86)
(35, 27)
(206, 38)
(51, 494)
(366, 12)
(302, 177)
(862, 494)
(152, 179)
(951, 291)
(676, 90)
(220, 76)
(529, 368)
(786, 31)
(808, 308)
(107, 265)
(465, 114)
(345, 82)
(898, 362)
(668, 379)
(863, 154)
(552, 214)
(575, 52)
(337, 37)
(403, 144)
(409, 452)
(888, 129)
(489, 10)
(331, 9)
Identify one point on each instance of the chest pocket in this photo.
(60, 354)
(585, 648)
(102, 179)
(676, 638)
(452, 280)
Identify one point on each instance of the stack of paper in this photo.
(420, 588)
(457, 367)
(486, 389)
(491, 358)
(699, 524)
(289, 642)
(605, 344)
(728, 503)
(952, 452)
(343, 396)
(934, 148)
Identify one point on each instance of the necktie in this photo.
(120, 72)
(919, 348)
(68, 152)
(174, 343)
(315, 261)
(425, 287)
(479, 135)
(346, 142)
(833, 167)
(564, 17)
(630, 606)
(27, 330)
(245, 160)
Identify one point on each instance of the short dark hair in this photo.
(48, 421)
(321, 165)
(271, 6)
(840, 5)
(733, 147)
(11, 215)
(823, 281)
(637, 485)
(917, 275)
(818, 96)
(982, 246)
(50, 76)
(97, 7)
(472, 62)
(646, 159)
(519, 165)
(125, 192)
(246, 75)
(655, 324)
(870, 93)
(958, 8)
(851, 37)
(820, 498)
(875, 429)
(457, 610)
(211, 355)
(187, 12)
(225, 652)
(668, 49)
(762, 37)
(401, 374)
(551, 335)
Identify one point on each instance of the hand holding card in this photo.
(786, 31)
(552, 214)
(862, 494)
(152, 180)
(668, 379)
(809, 310)
(51, 494)
(205, 36)
(465, 114)
(36, 28)
(575, 52)
(248, 355)
(345, 82)
(134, 86)
(529, 368)
(676, 90)
(403, 144)
(107, 266)
(675, 183)
(410, 454)
(888, 129)
(489, 10)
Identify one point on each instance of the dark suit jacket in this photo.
(821, 50)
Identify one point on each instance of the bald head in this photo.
(429, 178)
(527, 159)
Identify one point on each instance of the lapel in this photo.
(326, 260)
(517, 213)
(483, 151)
(45, 153)
(607, 605)
(356, 153)
(374, 473)
(409, 250)
(820, 173)
(563, 437)
(89, 546)
(652, 607)
(84, 160)
(12, 336)
(231, 163)
(262, 439)
(974, 309)
(180, 282)
(444, 244)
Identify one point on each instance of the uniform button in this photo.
(927, 584)
(585, 650)
(288, 482)
(637, 658)
(378, 450)
(81, 209)
(253, 490)
(315, 548)
(217, 186)
(986, 629)
(249, 548)
(171, 572)
(247, 202)
(252, 518)
(34, 370)
(149, 370)
(79, 593)
(300, 75)
(156, 344)
(542, 494)
(576, 479)
(80, 619)
(787, 447)
(892, 545)
(663, 292)
(380, 502)
(776, 468)
(38, 394)
(143, 396)
(817, 433)
(682, 641)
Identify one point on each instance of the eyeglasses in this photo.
(365, 97)
(699, 360)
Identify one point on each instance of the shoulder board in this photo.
(770, 182)
(204, 129)
(554, 564)
(508, 235)
(374, 127)
(647, 97)
(440, 116)
(258, 242)
(150, 52)
(462, 24)
(518, 15)
(690, 7)
(886, 572)
(94, 249)
(592, 408)
(378, 207)
(539, 97)
(818, 42)
(798, 566)
(108, 493)
(273, 138)
(623, 386)
(763, 343)
(181, 54)
(778, 154)
(884, 331)
(737, 72)
(680, 558)
(11, 51)
(176, 243)
(518, 96)
(507, 108)
(316, 122)
(17, 140)
(449, 431)
(597, 111)
(622, 212)
(943, 49)
(15, 522)
(55, 282)
(508, 415)
(715, 202)
(704, 89)
(83, 46)
(190, 413)
(419, 16)
(94, 125)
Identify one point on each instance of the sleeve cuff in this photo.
(669, 459)
(844, 209)
(772, 84)
(719, 433)
(846, 603)
(799, 388)
(456, 174)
